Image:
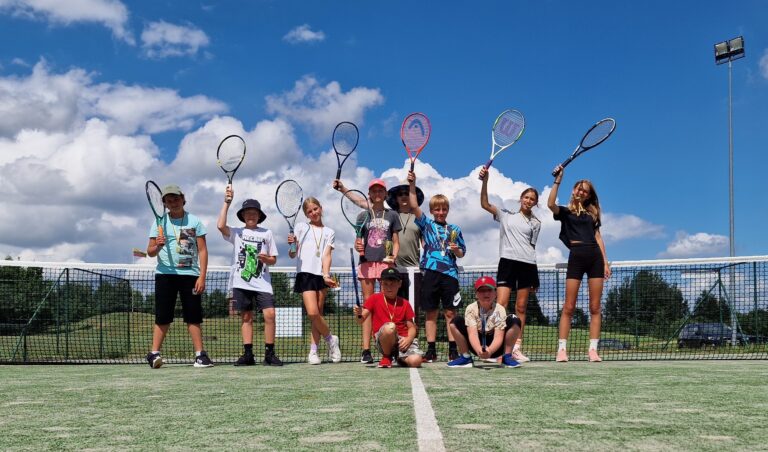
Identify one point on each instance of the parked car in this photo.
(714, 334)
(613, 344)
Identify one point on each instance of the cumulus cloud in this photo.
(618, 227)
(162, 39)
(112, 14)
(302, 34)
(700, 244)
(764, 64)
(320, 108)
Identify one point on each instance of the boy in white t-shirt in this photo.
(254, 251)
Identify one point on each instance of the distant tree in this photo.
(755, 323)
(709, 308)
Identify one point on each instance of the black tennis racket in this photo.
(288, 199)
(354, 279)
(155, 198)
(483, 320)
(357, 210)
(345, 137)
(230, 155)
(595, 136)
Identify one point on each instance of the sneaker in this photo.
(245, 360)
(385, 362)
(594, 357)
(461, 361)
(452, 354)
(518, 356)
(334, 352)
(492, 360)
(507, 361)
(154, 360)
(430, 356)
(203, 360)
(272, 360)
(562, 356)
(366, 357)
(313, 357)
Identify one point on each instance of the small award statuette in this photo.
(388, 251)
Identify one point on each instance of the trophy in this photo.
(388, 251)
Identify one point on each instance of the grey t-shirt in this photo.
(410, 241)
(517, 236)
(379, 228)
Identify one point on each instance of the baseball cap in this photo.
(390, 273)
(251, 204)
(378, 182)
(172, 190)
(485, 281)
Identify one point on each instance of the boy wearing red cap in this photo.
(485, 330)
(380, 230)
(254, 251)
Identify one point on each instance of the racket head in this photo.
(230, 154)
(155, 198)
(598, 133)
(288, 198)
(415, 133)
(507, 129)
(345, 138)
(356, 209)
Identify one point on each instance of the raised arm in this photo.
(552, 200)
(221, 223)
(484, 175)
(413, 199)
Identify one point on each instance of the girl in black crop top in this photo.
(580, 232)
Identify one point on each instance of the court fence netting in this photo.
(682, 309)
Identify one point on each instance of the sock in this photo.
(269, 349)
(197, 354)
(248, 348)
(155, 351)
(451, 345)
(329, 337)
(561, 344)
(593, 344)
(466, 355)
(313, 348)
(517, 346)
(431, 346)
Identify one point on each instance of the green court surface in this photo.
(692, 405)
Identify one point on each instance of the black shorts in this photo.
(404, 291)
(512, 320)
(308, 282)
(167, 289)
(585, 259)
(517, 275)
(438, 288)
(245, 300)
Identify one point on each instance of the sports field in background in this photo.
(692, 405)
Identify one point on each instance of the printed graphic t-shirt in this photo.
(249, 272)
(179, 254)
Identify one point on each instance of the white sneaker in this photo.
(334, 352)
(518, 356)
(313, 357)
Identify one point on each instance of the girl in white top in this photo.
(315, 244)
(517, 270)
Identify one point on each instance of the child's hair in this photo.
(591, 204)
(308, 201)
(439, 200)
(530, 190)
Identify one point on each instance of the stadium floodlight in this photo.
(728, 51)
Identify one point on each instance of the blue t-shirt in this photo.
(179, 254)
(437, 254)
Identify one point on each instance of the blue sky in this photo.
(100, 95)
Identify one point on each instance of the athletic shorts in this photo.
(404, 291)
(371, 270)
(167, 288)
(512, 320)
(438, 288)
(308, 282)
(412, 350)
(245, 300)
(585, 258)
(517, 275)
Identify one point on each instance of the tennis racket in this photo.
(507, 129)
(230, 155)
(355, 207)
(354, 279)
(288, 199)
(483, 320)
(594, 137)
(415, 133)
(155, 198)
(345, 137)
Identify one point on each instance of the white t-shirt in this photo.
(249, 272)
(311, 242)
(517, 236)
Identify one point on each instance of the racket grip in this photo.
(338, 173)
(160, 232)
(486, 166)
(292, 249)
(562, 167)
(413, 162)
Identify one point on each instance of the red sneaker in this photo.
(385, 362)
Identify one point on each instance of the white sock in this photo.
(466, 355)
(561, 344)
(593, 344)
(155, 351)
(516, 347)
(197, 354)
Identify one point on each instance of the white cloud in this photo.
(618, 227)
(20, 62)
(303, 33)
(764, 64)
(112, 14)
(700, 244)
(322, 107)
(162, 39)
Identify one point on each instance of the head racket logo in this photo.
(417, 123)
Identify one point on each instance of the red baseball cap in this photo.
(485, 281)
(378, 182)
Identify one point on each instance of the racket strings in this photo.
(598, 133)
(155, 198)
(288, 198)
(355, 207)
(231, 152)
(415, 132)
(345, 138)
(508, 128)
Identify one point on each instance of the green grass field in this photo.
(693, 405)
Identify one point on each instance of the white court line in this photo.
(427, 430)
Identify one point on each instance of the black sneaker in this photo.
(203, 360)
(272, 360)
(430, 356)
(366, 357)
(154, 360)
(453, 354)
(245, 360)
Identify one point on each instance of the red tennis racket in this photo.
(415, 133)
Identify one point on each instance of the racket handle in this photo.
(486, 166)
(338, 173)
(562, 166)
(160, 231)
(292, 249)
(412, 163)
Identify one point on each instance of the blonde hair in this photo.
(591, 205)
(308, 201)
(439, 200)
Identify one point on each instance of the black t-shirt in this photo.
(576, 228)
